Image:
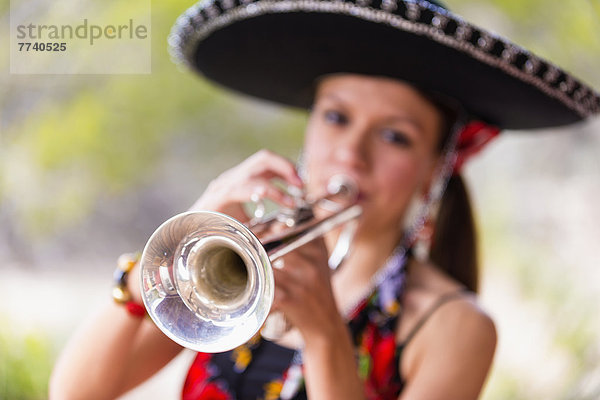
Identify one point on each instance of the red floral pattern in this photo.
(378, 362)
(198, 384)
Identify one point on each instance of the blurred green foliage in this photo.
(569, 315)
(104, 134)
(26, 360)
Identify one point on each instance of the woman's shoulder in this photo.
(446, 337)
(446, 303)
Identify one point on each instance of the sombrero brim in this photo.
(276, 50)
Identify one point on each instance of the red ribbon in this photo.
(474, 136)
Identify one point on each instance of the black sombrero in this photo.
(276, 49)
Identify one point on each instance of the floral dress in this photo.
(260, 369)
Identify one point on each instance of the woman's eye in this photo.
(396, 137)
(335, 117)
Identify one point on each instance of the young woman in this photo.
(397, 94)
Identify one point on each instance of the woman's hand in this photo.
(304, 294)
(254, 176)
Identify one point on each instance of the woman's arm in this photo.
(451, 355)
(110, 353)
(330, 367)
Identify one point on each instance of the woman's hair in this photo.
(454, 242)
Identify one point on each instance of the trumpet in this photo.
(207, 280)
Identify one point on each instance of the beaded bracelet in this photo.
(120, 292)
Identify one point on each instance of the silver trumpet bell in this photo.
(207, 280)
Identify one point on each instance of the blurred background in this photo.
(90, 165)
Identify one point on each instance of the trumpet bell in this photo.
(207, 281)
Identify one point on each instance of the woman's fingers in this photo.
(253, 189)
(290, 292)
(283, 287)
(251, 180)
(261, 189)
(302, 286)
(270, 165)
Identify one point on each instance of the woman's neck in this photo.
(368, 253)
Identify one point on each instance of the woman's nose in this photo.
(353, 150)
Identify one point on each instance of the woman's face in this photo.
(380, 132)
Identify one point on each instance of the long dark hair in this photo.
(454, 241)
